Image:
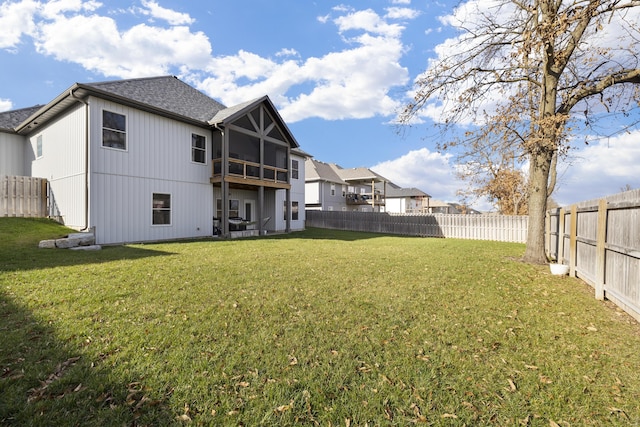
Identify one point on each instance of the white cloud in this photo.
(342, 84)
(324, 19)
(16, 19)
(96, 43)
(347, 84)
(600, 169)
(154, 10)
(426, 170)
(400, 1)
(53, 9)
(287, 52)
(402, 13)
(5, 104)
(352, 82)
(367, 20)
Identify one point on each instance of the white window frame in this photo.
(295, 169)
(231, 202)
(125, 132)
(39, 147)
(195, 149)
(154, 208)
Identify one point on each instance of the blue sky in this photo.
(338, 71)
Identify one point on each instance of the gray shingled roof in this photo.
(357, 174)
(166, 93)
(315, 170)
(221, 115)
(11, 119)
(405, 192)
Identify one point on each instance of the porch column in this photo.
(384, 194)
(261, 210)
(224, 221)
(373, 195)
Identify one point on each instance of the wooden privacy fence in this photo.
(600, 241)
(23, 196)
(477, 227)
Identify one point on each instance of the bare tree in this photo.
(533, 72)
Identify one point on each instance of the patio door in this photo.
(250, 210)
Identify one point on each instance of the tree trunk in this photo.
(540, 164)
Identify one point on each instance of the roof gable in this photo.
(230, 114)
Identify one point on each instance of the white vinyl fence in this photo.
(502, 228)
(23, 196)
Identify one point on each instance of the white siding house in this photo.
(155, 159)
(330, 187)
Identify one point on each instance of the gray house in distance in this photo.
(406, 200)
(330, 187)
(155, 159)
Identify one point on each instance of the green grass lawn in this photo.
(319, 327)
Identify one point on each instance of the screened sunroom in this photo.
(251, 161)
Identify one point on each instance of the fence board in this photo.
(602, 246)
(476, 227)
(23, 196)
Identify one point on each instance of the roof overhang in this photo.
(79, 93)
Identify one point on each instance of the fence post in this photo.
(600, 249)
(573, 241)
(547, 240)
(560, 237)
(44, 199)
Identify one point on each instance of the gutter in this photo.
(86, 157)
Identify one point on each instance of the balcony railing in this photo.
(364, 199)
(251, 171)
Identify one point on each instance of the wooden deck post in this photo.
(601, 241)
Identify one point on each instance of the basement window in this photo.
(294, 211)
(161, 209)
(114, 130)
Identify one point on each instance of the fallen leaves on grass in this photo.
(40, 392)
(284, 408)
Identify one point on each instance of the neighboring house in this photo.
(406, 200)
(155, 159)
(438, 206)
(330, 187)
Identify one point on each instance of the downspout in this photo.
(86, 158)
(224, 185)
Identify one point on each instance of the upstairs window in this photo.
(114, 130)
(161, 210)
(198, 148)
(294, 169)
